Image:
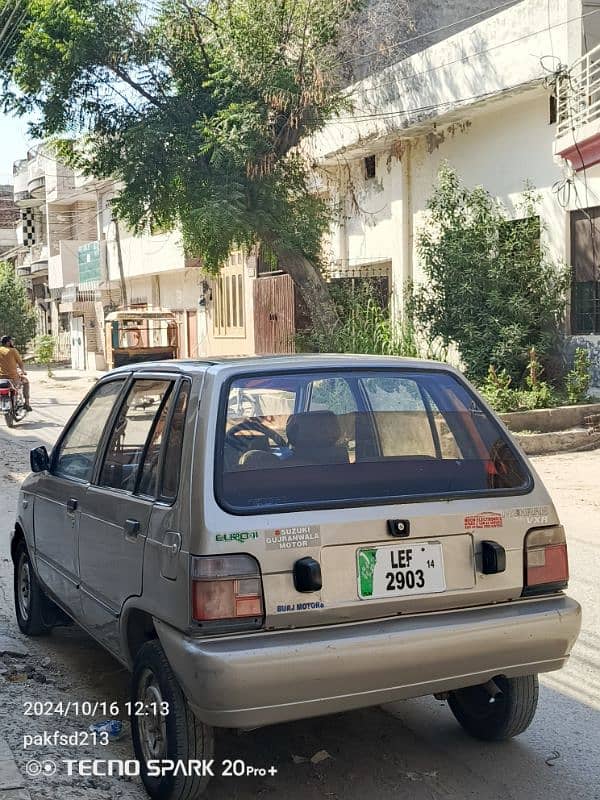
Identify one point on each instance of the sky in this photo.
(14, 144)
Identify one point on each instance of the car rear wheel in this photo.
(32, 606)
(163, 726)
(499, 717)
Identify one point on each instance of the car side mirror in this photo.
(39, 459)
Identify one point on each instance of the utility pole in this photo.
(124, 302)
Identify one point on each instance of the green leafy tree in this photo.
(197, 108)
(17, 317)
(490, 287)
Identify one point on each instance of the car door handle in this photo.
(71, 505)
(131, 527)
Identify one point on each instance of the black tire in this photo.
(185, 737)
(10, 421)
(33, 608)
(509, 715)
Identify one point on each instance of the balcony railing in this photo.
(578, 94)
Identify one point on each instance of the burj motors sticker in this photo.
(290, 538)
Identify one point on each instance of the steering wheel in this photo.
(256, 426)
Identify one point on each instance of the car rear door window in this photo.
(77, 450)
(162, 462)
(355, 437)
(134, 425)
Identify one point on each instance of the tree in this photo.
(490, 286)
(17, 317)
(198, 108)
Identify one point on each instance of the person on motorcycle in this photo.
(12, 367)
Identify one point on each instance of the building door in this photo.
(274, 315)
(192, 334)
(77, 343)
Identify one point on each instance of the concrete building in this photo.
(9, 214)
(81, 264)
(484, 101)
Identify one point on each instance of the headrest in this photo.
(313, 429)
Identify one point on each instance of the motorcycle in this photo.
(12, 402)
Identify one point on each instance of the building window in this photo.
(552, 110)
(370, 167)
(585, 262)
(228, 298)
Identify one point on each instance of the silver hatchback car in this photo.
(269, 539)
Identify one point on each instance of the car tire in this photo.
(508, 715)
(177, 736)
(32, 606)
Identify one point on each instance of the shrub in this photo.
(491, 288)
(44, 351)
(365, 325)
(496, 390)
(577, 380)
(539, 394)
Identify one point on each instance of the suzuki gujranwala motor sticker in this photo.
(288, 538)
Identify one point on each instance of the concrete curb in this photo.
(12, 783)
(573, 441)
(549, 420)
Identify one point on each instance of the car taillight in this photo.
(546, 560)
(227, 591)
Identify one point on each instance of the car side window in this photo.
(77, 451)
(165, 482)
(134, 424)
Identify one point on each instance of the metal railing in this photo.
(578, 93)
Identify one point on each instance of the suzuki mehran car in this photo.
(268, 539)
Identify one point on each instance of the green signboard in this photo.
(90, 267)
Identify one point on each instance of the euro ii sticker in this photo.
(240, 537)
(291, 538)
(487, 519)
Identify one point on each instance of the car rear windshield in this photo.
(325, 439)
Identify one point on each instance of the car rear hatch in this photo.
(366, 494)
(367, 572)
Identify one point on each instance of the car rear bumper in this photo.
(264, 678)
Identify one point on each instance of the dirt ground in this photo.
(413, 749)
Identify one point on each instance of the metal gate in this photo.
(274, 315)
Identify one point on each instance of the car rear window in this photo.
(325, 439)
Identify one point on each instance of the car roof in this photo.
(280, 362)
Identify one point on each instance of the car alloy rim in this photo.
(24, 587)
(152, 725)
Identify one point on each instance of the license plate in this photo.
(396, 570)
(5, 405)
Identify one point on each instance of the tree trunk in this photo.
(311, 286)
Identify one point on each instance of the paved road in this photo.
(414, 749)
